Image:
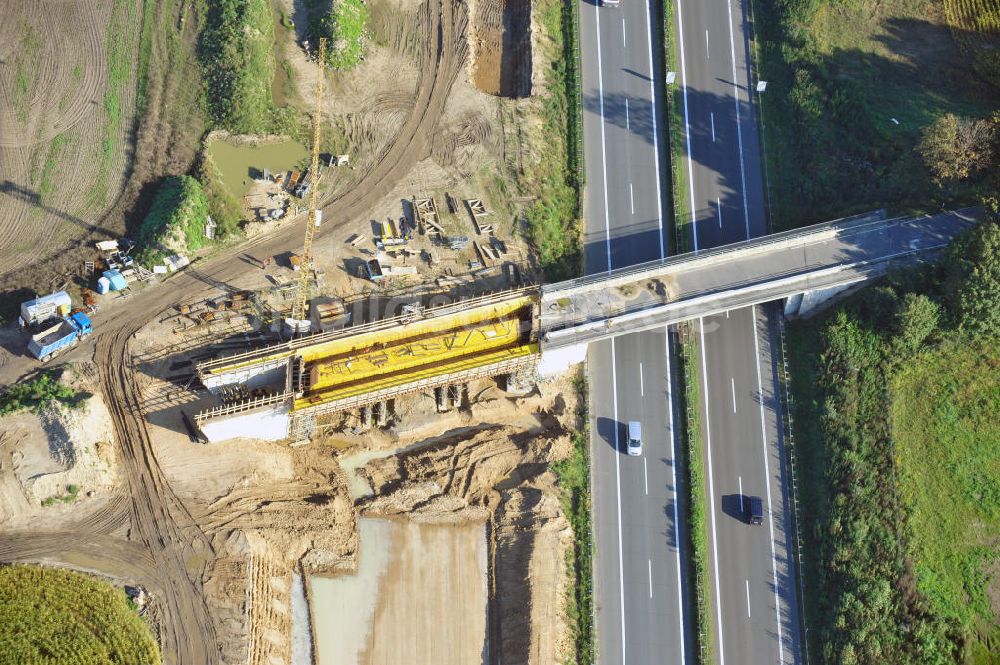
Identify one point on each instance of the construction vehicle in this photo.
(63, 335)
(40, 310)
(298, 323)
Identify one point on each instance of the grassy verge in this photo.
(24, 66)
(237, 48)
(693, 462)
(51, 615)
(119, 48)
(145, 53)
(683, 231)
(46, 186)
(554, 224)
(574, 480)
(944, 406)
(896, 396)
(346, 28)
(852, 87)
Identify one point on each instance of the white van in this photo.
(634, 445)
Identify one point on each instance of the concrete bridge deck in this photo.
(818, 258)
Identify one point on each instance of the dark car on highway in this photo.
(753, 508)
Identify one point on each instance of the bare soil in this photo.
(215, 534)
(501, 46)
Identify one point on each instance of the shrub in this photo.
(176, 221)
(36, 393)
(955, 148)
(916, 319)
(973, 278)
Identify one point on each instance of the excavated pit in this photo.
(501, 38)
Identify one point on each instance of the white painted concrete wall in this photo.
(253, 376)
(269, 423)
(557, 361)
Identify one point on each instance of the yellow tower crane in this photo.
(299, 311)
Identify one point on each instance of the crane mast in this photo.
(299, 311)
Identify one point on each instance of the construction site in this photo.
(348, 396)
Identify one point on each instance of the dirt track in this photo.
(168, 549)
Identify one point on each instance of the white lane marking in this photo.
(604, 153)
(645, 475)
(739, 127)
(642, 391)
(650, 562)
(727, 313)
(718, 206)
(623, 32)
(708, 54)
(677, 534)
(628, 124)
(656, 136)
(618, 493)
(741, 490)
(732, 381)
(631, 198)
(712, 116)
(687, 123)
(767, 485)
(748, 598)
(711, 495)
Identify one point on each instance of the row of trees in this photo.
(867, 601)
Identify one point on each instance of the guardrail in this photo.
(836, 227)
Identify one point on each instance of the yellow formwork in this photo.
(398, 379)
(361, 342)
(385, 359)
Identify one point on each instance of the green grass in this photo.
(46, 186)
(554, 225)
(574, 481)
(697, 520)
(945, 404)
(237, 48)
(118, 44)
(24, 67)
(145, 52)
(58, 616)
(838, 73)
(347, 28)
(72, 492)
(35, 393)
(683, 229)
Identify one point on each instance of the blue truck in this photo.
(60, 336)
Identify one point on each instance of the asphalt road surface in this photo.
(640, 573)
(752, 593)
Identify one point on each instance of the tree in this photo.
(955, 148)
(972, 282)
(916, 319)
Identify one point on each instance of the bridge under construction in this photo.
(286, 390)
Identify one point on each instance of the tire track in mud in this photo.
(170, 551)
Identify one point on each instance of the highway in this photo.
(640, 572)
(752, 593)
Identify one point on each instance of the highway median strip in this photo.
(690, 430)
